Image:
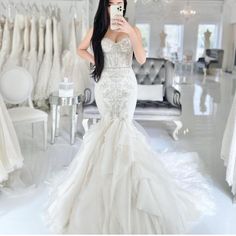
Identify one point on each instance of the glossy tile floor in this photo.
(206, 104)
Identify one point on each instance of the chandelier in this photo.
(154, 1)
(188, 11)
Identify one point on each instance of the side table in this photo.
(56, 102)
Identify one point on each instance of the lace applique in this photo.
(116, 93)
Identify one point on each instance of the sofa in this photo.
(213, 60)
(155, 72)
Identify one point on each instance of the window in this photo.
(201, 39)
(174, 41)
(145, 31)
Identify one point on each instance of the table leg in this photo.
(58, 120)
(54, 117)
(73, 124)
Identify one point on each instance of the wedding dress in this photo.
(228, 148)
(33, 54)
(74, 68)
(76, 72)
(6, 43)
(55, 74)
(116, 183)
(25, 57)
(45, 68)
(42, 23)
(15, 57)
(60, 33)
(2, 22)
(10, 153)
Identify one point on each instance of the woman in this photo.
(10, 153)
(116, 183)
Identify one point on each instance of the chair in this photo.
(16, 86)
(213, 60)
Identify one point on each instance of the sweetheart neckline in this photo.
(126, 37)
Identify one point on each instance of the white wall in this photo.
(208, 12)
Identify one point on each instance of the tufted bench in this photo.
(154, 72)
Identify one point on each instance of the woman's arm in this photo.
(135, 37)
(83, 48)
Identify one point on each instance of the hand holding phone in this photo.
(115, 10)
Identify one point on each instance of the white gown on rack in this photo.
(228, 149)
(25, 57)
(59, 29)
(79, 71)
(2, 22)
(33, 53)
(46, 65)
(55, 74)
(6, 43)
(15, 57)
(116, 183)
(10, 153)
(42, 24)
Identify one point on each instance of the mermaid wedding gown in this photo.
(10, 153)
(116, 183)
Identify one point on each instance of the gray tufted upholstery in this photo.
(154, 71)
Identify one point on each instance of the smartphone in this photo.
(116, 10)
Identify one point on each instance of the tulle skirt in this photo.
(117, 184)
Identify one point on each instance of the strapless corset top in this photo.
(117, 54)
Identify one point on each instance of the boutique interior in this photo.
(186, 91)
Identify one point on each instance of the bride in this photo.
(117, 184)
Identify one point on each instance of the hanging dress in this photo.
(33, 54)
(41, 48)
(45, 68)
(2, 22)
(25, 57)
(6, 43)
(55, 74)
(15, 57)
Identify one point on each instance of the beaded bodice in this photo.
(117, 54)
(116, 91)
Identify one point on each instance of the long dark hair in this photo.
(100, 27)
